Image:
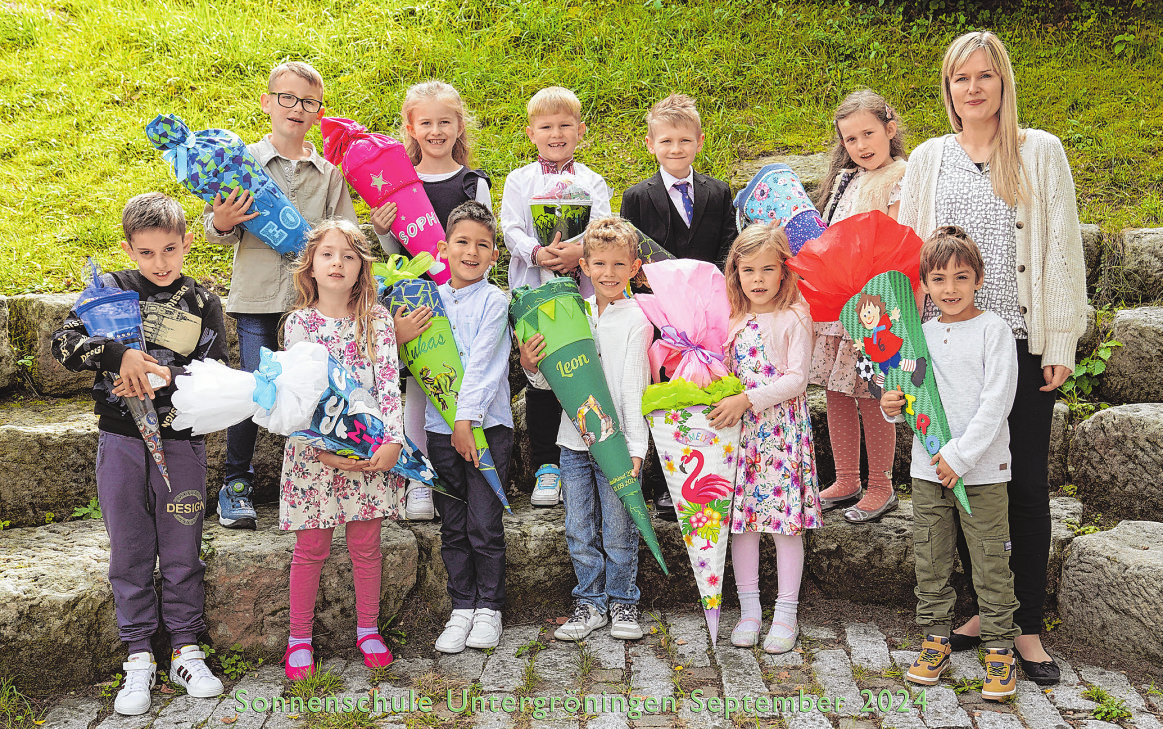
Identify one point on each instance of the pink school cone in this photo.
(712, 616)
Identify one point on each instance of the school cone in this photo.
(923, 411)
(435, 363)
(556, 311)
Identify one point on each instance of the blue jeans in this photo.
(255, 331)
(602, 538)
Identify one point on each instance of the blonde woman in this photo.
(1012, 191)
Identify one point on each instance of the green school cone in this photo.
(556, 311)
(434, 361)
(888, 342)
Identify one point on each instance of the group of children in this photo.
(327, 295)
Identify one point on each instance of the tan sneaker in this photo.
(1000, 679)
(932, 661)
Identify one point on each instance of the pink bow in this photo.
(680, 357)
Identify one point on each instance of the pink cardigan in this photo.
(787, 339)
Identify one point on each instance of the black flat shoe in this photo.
(959, 642)
(1044, 673)
(664, 507)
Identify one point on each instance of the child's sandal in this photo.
(743, 636)
(375, 660)
(298, 673)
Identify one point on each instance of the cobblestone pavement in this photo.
(849, 679)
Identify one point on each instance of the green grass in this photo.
(79, 80)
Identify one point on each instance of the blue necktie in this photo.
(687, 204)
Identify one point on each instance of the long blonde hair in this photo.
(1005, 161)
(363, 294)
(754, 239)
(839, 159)
(445, 94)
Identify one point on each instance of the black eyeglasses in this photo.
(288, 101)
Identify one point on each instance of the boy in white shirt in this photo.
(602, 538)
(974, 359)
(556, 128)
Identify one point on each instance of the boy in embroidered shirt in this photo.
(602, 538)
(261, 287)
(974, 359)
(556, 128)
(147, 522)
(472, 536)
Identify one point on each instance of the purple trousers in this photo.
(149, 524)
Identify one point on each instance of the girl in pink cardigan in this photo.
(769, 347)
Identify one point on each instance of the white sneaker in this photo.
(455, 632)
(547, 488)
(585, 619)
(624, 621)
(140, 673)
(486, 629)
(188, 669)
(418, 504)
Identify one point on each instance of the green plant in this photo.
(1082, 381)
(1069, 489)
(109, 689)
(391, 631)
(234, 663)
(320, 683)
(586, 661)
(1050, 623)
(529, 678)
(967, 684)
(860, 673)
(893, 671)
(4, 524)
(532, 648)
(207, 550)
(92, 510)
(1081, 529)
(1109, 707)
(16, 710)
(49, 517)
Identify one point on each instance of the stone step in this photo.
(55, 597)
(1134, 372)
(54, 592)
(47, 454)
(1116, 458)
(1110, 586)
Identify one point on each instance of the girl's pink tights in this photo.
(789, 562)
(312, 546)
(879, 443)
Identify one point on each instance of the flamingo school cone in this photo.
(556, 311)
(434, 361)
(699, 462)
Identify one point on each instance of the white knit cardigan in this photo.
(1051, 268)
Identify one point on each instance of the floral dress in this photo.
(315, 496)
(776, 489)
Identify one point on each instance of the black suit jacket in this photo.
(647, 205)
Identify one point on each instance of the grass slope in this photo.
(79, 80)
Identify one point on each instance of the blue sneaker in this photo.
(235, 509)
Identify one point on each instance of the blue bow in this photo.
(264, 379)
(680, 341)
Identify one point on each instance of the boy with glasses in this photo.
(261, 288)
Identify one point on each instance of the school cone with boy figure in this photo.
(864, 271)
(557, 311)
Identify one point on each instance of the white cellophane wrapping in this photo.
(211, 396)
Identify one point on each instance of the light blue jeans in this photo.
(602, 538)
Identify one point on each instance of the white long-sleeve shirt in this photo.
(622, 334)
(517, 220)
(976, 366)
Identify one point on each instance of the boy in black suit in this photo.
(688, 214)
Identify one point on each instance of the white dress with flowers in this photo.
(315, 496)
(775, 488)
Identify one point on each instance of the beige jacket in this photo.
(261, 280)
(1051, 268)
